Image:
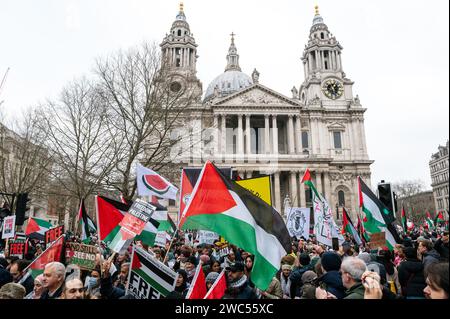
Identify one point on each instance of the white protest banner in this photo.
(207, 237)
(297, 221)
(161, 239)
(9, 226)
(132, 224)
(148, 277)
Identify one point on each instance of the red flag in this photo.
(52, 253)
(197, 289)
(218, 288)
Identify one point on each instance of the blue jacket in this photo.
(333, 283)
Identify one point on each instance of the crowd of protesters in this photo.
(416, 269)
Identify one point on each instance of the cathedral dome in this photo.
(228, 82)
(232, 80)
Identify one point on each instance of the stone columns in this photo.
(315, 136)
(290, 134)
(216, 133)
(327, 188)
(298, 134)
(247, 134)
(240, 136)
(293, 186)
(223, 135)
(363, 137)
(274, 135)
(356, 140)
(276, 182)
(266, 134)
(317, 53)
(319, 181)
(302, 190)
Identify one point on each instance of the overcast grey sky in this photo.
(396, 51)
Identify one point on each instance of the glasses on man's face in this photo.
(79, 290)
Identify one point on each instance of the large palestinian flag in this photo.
(36, 228)
(87, 226)
(376, 215)
(150, 183)
(52, 253)
(220, 205)
(189, 177)
(347, 227)
(362, 232)
(110, 214)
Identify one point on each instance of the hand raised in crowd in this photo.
(105, 268)
(371, 282)
(323, 294)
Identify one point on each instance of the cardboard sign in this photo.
(148, 277)
(53, 234)
(377, 240)
(160, 239)
(207, 237)
(81, 255)
(9, 226)
(17, 248)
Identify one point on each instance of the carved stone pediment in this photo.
(335, 126)
(257, 95)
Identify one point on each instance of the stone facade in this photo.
(241, 123)
(439, 177)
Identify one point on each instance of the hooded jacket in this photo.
(411, 277)
(333, 283)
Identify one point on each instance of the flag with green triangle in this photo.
(348, 228)
(36, 228)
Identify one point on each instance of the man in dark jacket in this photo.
(331, 279)
(238, 287)
(441, 246)
(17, 272)
(53, 282)
(427, 253)
(296, 275)
(410, 275)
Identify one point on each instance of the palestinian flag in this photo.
(53, 253)
(429, 221)
(189, 177)
(220, 205)
(217, 290)
(151, 183)
(347, 227)
(110, 214)
(325, 227)
(362, 232)
(87, 226)
(404, 221)
(439, 218)
(197, 289)
(36, 228)
(377, 215)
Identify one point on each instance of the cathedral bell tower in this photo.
(179, 56)
(325, 81)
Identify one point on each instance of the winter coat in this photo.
(28, 283)
(56, 294)
(355, 292)
(429, 258)
(411, 277)
(308, 291)
(242, 292)
(274, 290)
(107, 290)
(296, 280)
(442, 249)
(333, 283)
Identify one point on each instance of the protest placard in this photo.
(132, 224)
(81, 255)
(53, 234)
(9, 225)
(377, 240)
(148, 277)
(161, 239)
(17, 248)
(207, 237)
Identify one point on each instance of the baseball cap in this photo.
(238, 266)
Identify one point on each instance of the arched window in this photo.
(322, 36)
(179, 33)
(341, 198)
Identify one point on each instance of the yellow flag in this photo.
(259, 186)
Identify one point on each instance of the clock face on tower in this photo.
(332, 88)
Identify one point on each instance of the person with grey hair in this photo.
(352, 269)
(54, 276)
(12, 291)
